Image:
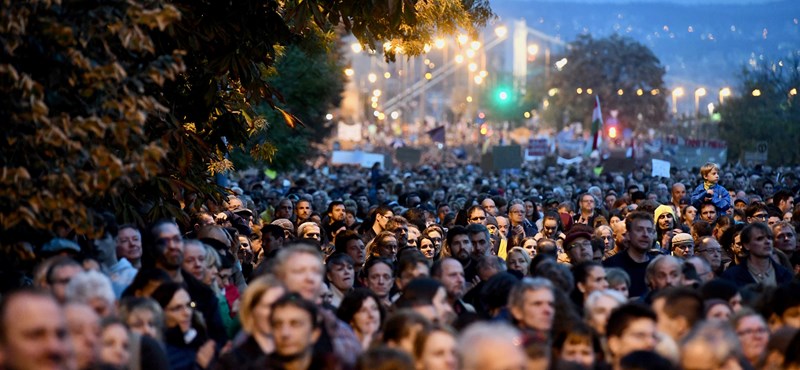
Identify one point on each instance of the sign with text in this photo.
(537, 148)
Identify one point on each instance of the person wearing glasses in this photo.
(710, 250)
(682, 245)
(587, 212)
(376, 222)
(519, 225)
(551, 229)
(187, 341)
(578, 245)
(476, 215)
(756, 212)
(753, 333)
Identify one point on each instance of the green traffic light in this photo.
(503, 95)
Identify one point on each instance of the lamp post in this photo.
(678, 92)
(724, 93)
(697, 95)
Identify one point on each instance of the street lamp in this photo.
(697, 95)
(561, 63)
(501, 31)
(439, 43)
(756, 92)
(533, 49)
(724, 93)
(357, 48)
(678, 92)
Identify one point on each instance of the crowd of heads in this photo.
(546, 267)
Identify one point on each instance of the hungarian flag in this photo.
(597, 123)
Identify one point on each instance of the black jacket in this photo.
(740, 276)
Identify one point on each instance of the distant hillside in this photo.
(698, 44)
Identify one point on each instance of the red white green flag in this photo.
(597, 123)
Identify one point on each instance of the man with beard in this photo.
(481, 246)
(399, 226)
(334, 214)
(665, 226)
(167, 254)
(759, 267)
(303, 209)
(459, 246)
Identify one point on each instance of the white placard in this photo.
(363, 159)
(661, 168)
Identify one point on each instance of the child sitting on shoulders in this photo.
(710, 191)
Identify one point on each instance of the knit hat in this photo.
(662, 209)
(682, 239)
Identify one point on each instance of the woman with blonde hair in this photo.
(254, 312)
(519, 260)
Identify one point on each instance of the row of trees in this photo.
(134, 105)
(772, 116)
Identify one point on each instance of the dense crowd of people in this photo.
(545, 267)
